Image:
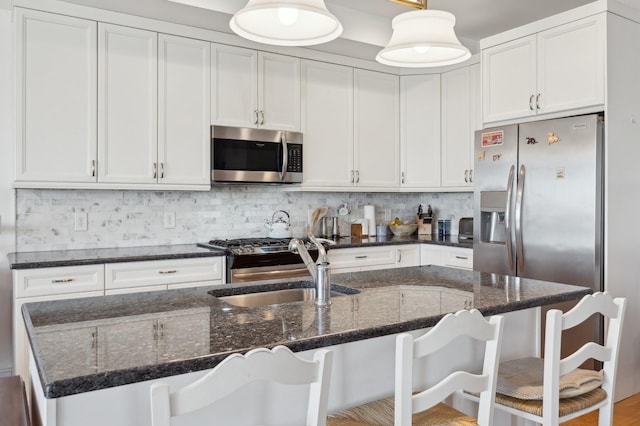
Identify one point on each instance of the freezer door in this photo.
(494, 171)
(558, 217)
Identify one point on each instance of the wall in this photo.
(7, 202)
(46, 218)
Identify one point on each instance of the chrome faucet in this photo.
(320, 270)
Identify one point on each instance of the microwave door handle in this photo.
(285, 156)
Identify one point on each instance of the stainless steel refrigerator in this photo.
(538, 210)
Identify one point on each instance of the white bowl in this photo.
(404, 229)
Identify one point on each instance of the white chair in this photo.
(554, 390)
(278, 365)
(425, 407)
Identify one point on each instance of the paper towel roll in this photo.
(370, 217)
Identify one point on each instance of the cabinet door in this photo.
(183, 335)
(327, 124)
(420, 131)
(571, 64)
(56, 98)
(458, 115)
(126, 345)
(278, 92)
(509, 80)
(376, 123)
(234, 73)
(407, 255)
(184, 90)
(77, 349)
(127, 105)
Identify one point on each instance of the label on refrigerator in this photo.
(493, 138)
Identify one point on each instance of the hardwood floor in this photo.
(625, 413)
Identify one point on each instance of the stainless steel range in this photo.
(250, 259)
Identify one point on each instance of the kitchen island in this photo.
(95, 358)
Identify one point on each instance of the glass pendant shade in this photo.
(286, 22)
(423, 38)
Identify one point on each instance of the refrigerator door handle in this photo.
(507, 220)
(518, 221)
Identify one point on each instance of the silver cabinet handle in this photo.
(399, 259)
(94, 340)
(170, 271)
(519, 196)
(402, 177)
(352, 176)
(507, 219)
(255, 116)
(261, 117)
(357, 176)
(466, 176)
(62, 280)
(531, 102)
(470, 175)
(155, 170)
(161, 170)
(364, 256)
(462, 257)
(93, 168)
(538, 101)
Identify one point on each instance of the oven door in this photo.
(269, 273)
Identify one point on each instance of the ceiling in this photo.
(367, 23)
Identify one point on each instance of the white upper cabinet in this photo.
(56, 98)
(459, 122)
(376, 124)
(420, 131)
(255, 89)
(127, 105)
(184, 87)
(327, 124)
(558, 69)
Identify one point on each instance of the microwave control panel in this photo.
(295, 158)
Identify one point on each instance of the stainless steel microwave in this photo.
(255, 155)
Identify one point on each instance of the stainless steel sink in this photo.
(276, 297)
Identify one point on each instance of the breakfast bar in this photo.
(96, 357)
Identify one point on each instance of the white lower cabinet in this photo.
(454, 257)
(370, 258)
(130, 277)
(72, 282)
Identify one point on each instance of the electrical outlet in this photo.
(169, 220)
(81, 221)
(387, 215)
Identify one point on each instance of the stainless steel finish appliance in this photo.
(255, 155)
(252, 259)
(538, 208)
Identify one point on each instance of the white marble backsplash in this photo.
(46, 218)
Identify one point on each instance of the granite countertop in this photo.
(45, 259)
(88, 344)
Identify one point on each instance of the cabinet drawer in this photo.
(162, 272)
(63, 280)
(458, 258)
(362, 258)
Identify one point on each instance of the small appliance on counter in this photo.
(465, 228)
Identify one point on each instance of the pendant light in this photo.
(423, 38)
(286, 22)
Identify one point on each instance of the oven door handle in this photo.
(238, 277)
(285, 156)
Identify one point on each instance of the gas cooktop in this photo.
(252, 245)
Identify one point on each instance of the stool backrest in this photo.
(554, 367)
(278, 365)
(463, 323)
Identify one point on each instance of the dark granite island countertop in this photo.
(83, 345)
